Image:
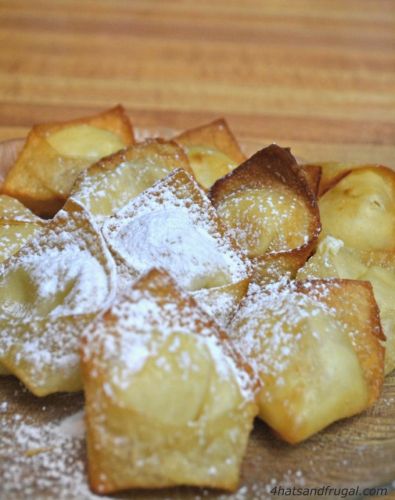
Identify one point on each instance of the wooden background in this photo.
(318, 76)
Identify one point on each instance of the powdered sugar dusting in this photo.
(64, 271)
(173, 225)
(266, 221)
(53, 455)
(141, 323)
(270, 312)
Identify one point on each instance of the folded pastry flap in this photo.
(270, 166)
(356, 308)
(114, 120)
(333, 259)
(17, 225)
(271, 267)
(113, 181)
(215, 135)
(44, 354)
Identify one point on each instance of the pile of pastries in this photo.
(187, 290)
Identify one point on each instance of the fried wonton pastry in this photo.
(111, 183)
(55, 154)
(360, 209)
(334, 260)
(316, 347)
(270, 210)
(49, 292)
(221, 302)
(17, 225)
(168, 402)
(332, 172)
(213, 151)
(173, 225)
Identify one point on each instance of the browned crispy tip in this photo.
(272, 171)
(313, 176)
(215, 134)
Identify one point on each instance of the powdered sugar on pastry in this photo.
(168, 399)
(288, 307)
(140, 323)
(49, 291)
(174, 226)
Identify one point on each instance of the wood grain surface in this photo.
(316, 76)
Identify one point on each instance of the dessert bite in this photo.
(333, 259)
(174, 226)
(168, 401)
(316, 346)
(270, 210)
(50, 290)
(360, 209)
(55, 154)
(111, 183)
(212, 150)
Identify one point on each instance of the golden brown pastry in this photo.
(49, 292)
(55, 154)
(168, 401)
(333, 172)
(333, 259)
(213, 151)
(360, 209)
(173, 225)
(271, 211)
(112, 182)
(316, 345)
